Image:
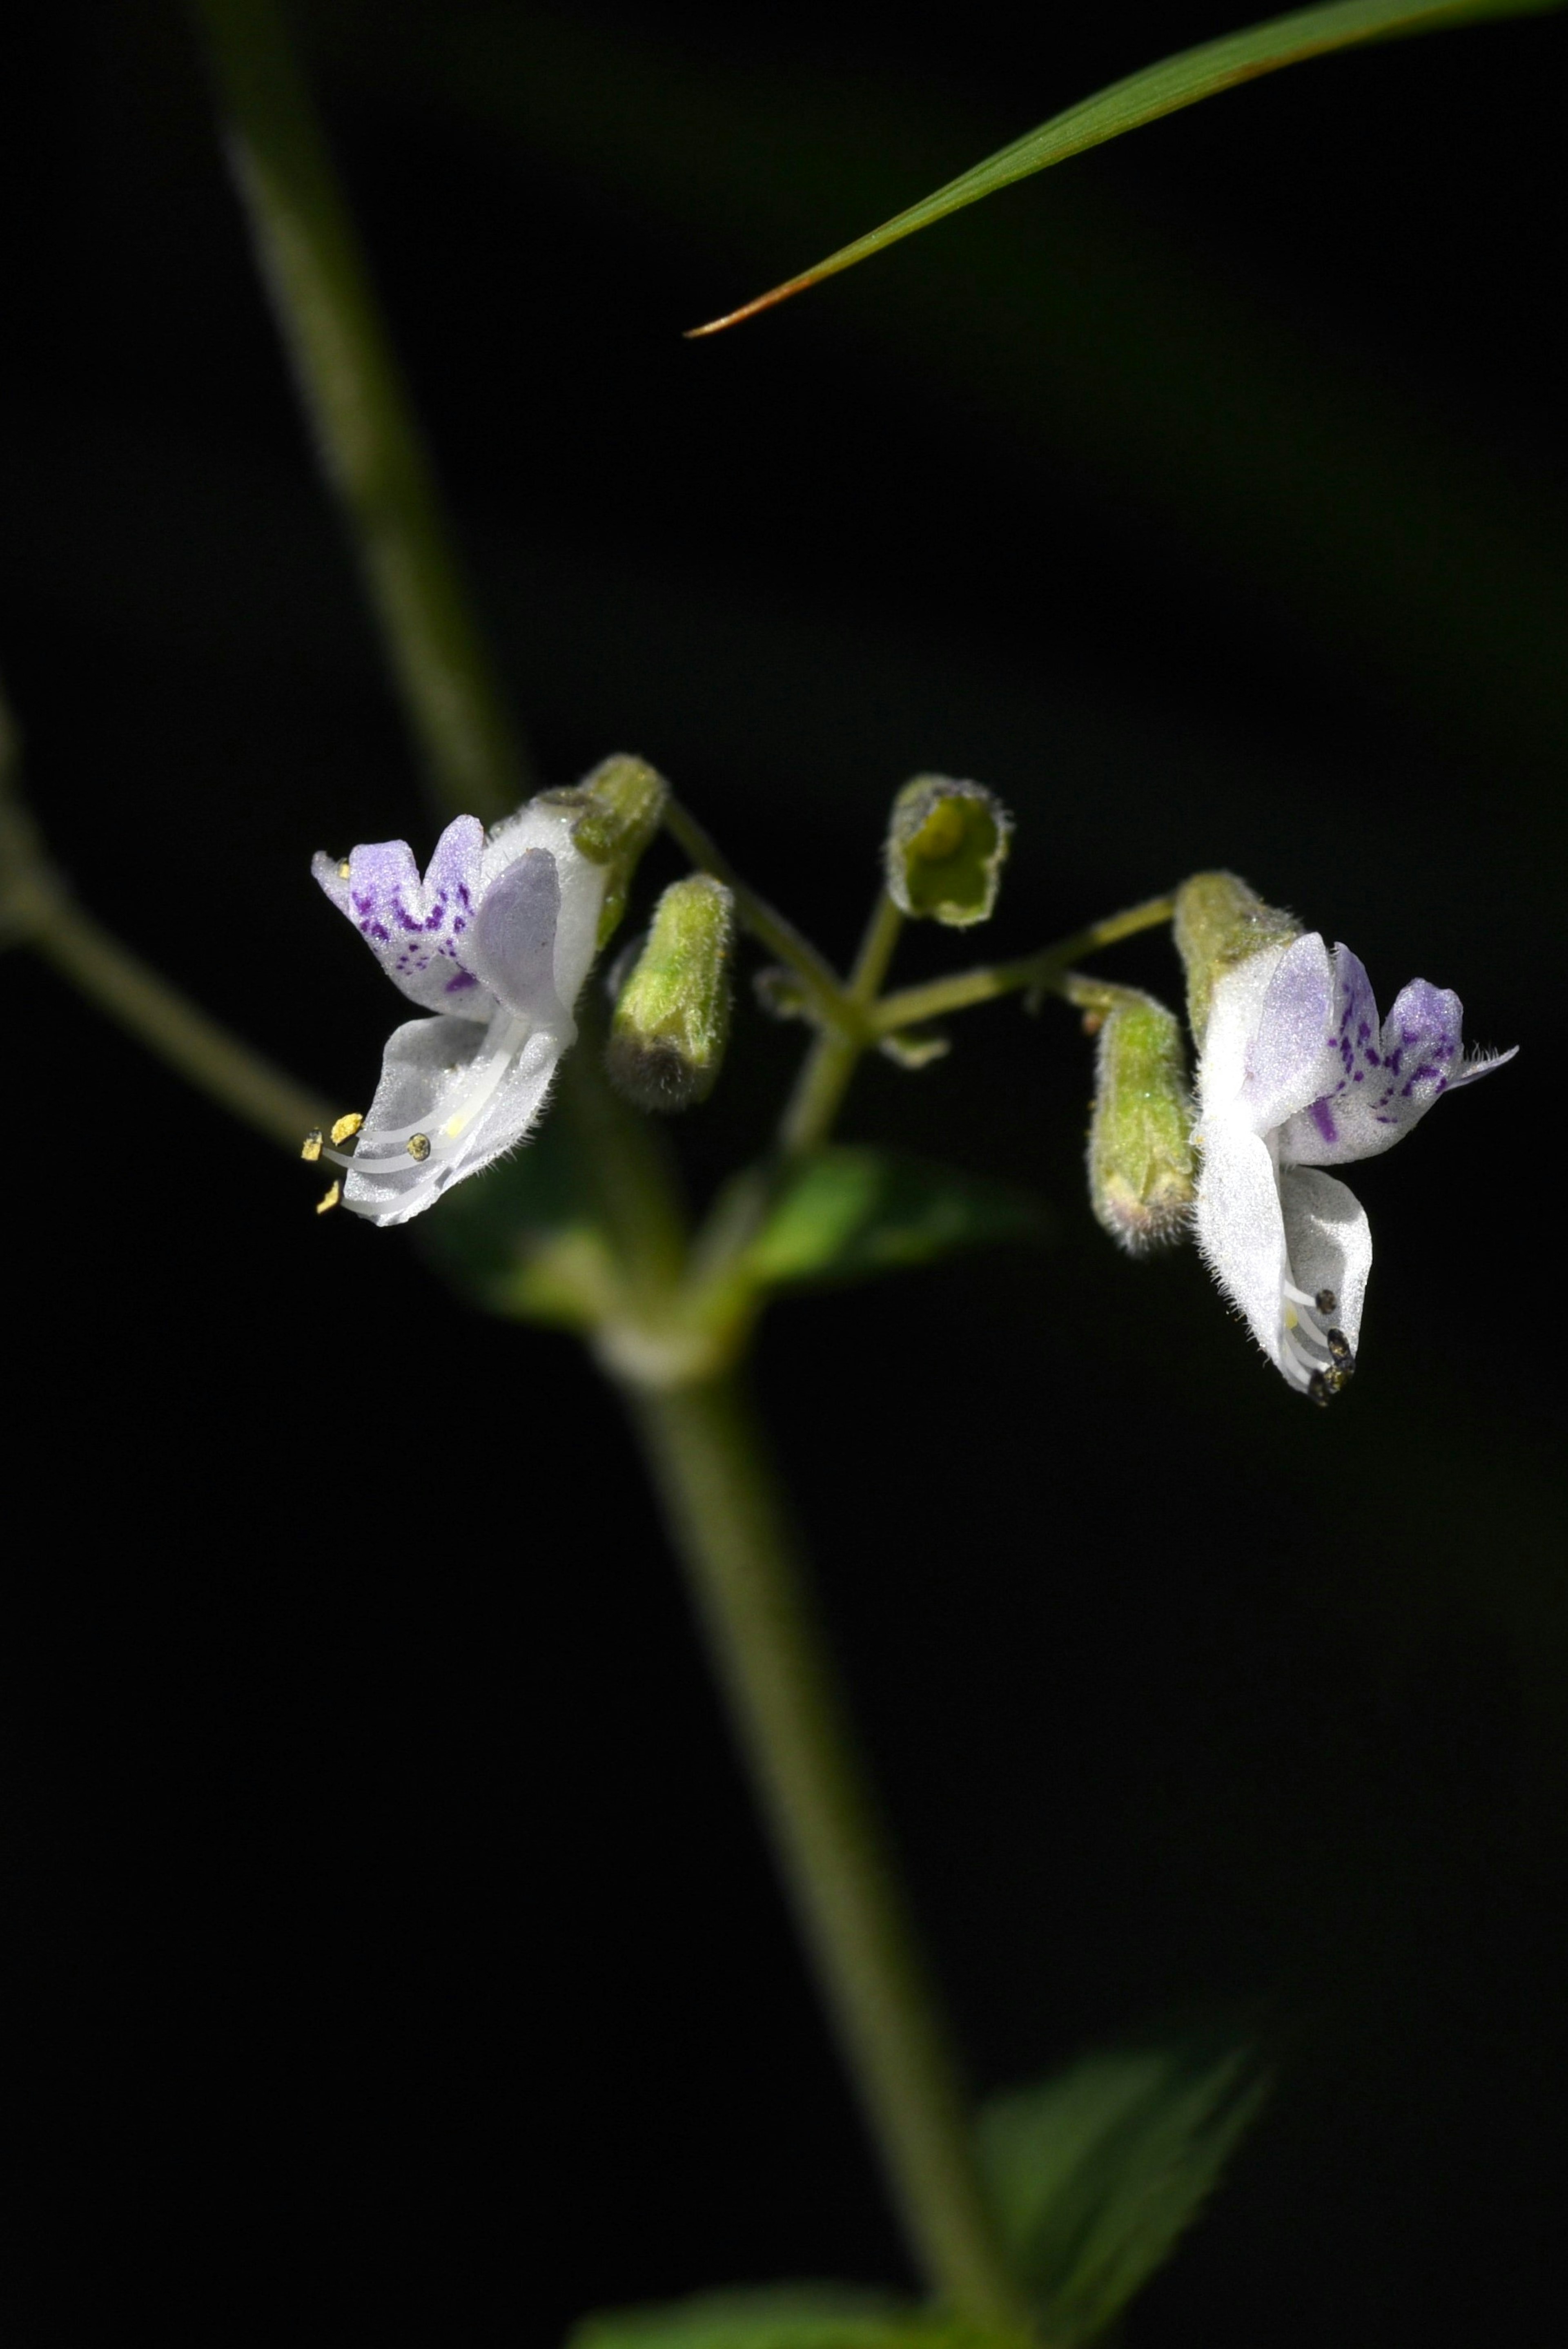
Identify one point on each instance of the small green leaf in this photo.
(783, 2317)
(1097, 2174)
(1163, 88)
(845, 1214)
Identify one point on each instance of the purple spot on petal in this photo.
(465, 979)
(1323, 1118)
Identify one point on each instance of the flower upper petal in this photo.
(582, 885)
(512, 947)
(1288, 1057)
(416, 929)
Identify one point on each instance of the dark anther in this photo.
(1338, 1345)
(1326, 1301)
(1318, 1387)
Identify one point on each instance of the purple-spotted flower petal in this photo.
(1296, 1073)
(416, 929)
(496, 940)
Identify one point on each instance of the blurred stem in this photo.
(207, 1054)
(768, 926)
(368, 442)
(631, 1173)
(1047, 971)
(725, 1514)
(834, 1057)
(38, 910)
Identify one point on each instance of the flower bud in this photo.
(621, 804)
(1141, 1170)
(945, 847)
(668, 1032)
(1220, 922)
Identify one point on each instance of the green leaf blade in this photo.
(1144, 97)
(1097, 2173)
(782, 2316)
(846, 1214)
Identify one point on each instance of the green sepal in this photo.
(519, 1240)
(1142, 1169)
(846, 1214)
(1220, 922)
(672, 1017)
(947, 844)
(1095, 2175)
(619, 808)
(785, 2316)
(916, 1048)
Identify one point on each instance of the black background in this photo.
(397, 1950)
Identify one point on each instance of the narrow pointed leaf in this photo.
(1163, 88)
(782, 2316)
(1096, 2174)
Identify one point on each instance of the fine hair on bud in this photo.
(947, 844)
(671, 1022)
(1141, 1165)
(1221, 923)
(616, 810)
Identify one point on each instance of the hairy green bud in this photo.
(1141, 1170)
(947, 844)
(668, 1033)
(619, 808)
(1220, 922)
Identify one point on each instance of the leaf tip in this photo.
(750, 309)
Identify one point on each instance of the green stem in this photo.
(831, 1062)
(766, 925)
(206, 1053)
(38, 910)
(1047, 971)
(369, 444)
(630, 1168)
(725, 1513)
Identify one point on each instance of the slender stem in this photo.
(766, 925)
(1046, 970)
(38, 910)
(369, 444)
(628, 1162)
(725, 1514)
(206, 1053)
(831, 1062)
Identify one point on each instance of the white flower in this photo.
(495, 942)
(1295, 1074)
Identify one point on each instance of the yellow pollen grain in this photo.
(331, 1200)
(344, 868)
(346, 1126)
(310, 1148)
